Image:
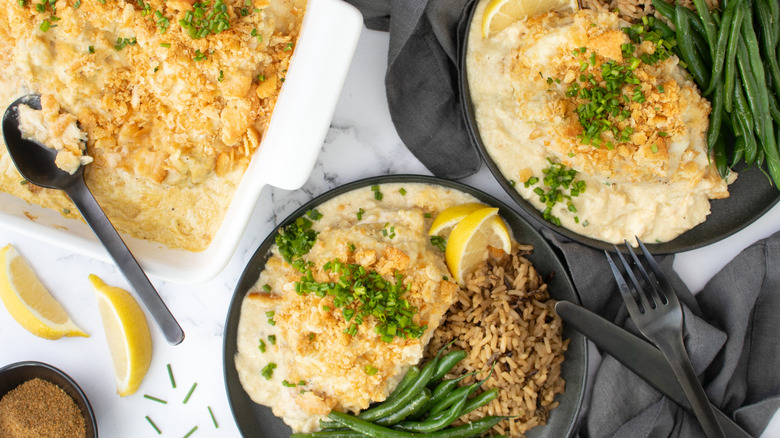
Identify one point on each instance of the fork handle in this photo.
(675, 353)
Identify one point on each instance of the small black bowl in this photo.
(15, 374)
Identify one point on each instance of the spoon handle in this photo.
(92, 212)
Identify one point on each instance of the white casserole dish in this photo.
(285, 158)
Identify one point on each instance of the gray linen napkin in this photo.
(731, 326)
(731, 331)
(422, 80)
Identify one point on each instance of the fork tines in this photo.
(660, 290)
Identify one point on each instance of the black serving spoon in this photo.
(35, 163)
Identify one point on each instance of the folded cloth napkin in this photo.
(731, 334)
(422, 80)
(731, 326)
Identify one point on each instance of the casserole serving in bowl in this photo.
(375, 223)
(597, 135)
(202, 223)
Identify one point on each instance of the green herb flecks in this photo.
(439, 242)
(561, 186)
(362, 293)
(121, 43)
(205, 19)
(268, 371)
(295, 240)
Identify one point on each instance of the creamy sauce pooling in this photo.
(293, 354)
(653, 181)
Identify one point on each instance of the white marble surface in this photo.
(361, 143)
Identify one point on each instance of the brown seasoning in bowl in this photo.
(40, 409)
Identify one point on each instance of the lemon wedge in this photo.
(468, 244)
(28, 301)
(499, 14)
(127, 333)
(450, 217)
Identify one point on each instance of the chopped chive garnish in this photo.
(267, 288)
(439, 242)
(287, 384)
(190, 393)
(360, 213)
(91, 49)
(23, 182)
(165, 45)
(272, 339)
(268, 371)
(261, 346)
(402, 191)
(159, 432)
(216, 426)
(221, 76)
(428, 215)
(191, 432)
(370, 369)
(377, 194)
(170, 374)
(314, 215)
(147, 396)
(301, 383)
(45, 26)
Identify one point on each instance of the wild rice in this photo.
(634, 10)
(504, 317)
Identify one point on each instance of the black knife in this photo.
(639, 356)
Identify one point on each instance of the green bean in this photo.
(696, 23)
(665, 9)
(689, 55)
(329, 434)
(366, 427)
(768, 35)
(720, 49)
(762, 117)
(473, 403)
(442, 390)
(666, 32)
(721, 162)
(480, 400)
(716, 117)
(388, 407)
(446, 363)
(450, 399)
(434, 424)
(475, 428)
(710, 28)
(731, 56)
(739, 151)
(773, 108)
(745, 119)
(414, 407)
(409, 378)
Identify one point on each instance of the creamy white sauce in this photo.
(340, 382)
(58, 132)
(522, 120)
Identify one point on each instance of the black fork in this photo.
(653, 305)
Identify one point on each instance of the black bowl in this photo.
(254, 420)
(15, 374)
(752, 194)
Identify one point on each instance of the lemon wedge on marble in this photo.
(28, 301)
(468, 242)
(127, 333)
(499, 14)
